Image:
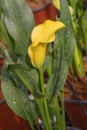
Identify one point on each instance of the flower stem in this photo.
(58, 113)
(22, 105)
(63, 110)
(47, 120)
(77, 63)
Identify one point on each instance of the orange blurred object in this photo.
(9, 120)
(42, 10)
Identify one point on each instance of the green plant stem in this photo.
(38, 101)
(49, 68)
(63, 110)
(37, 124)
(77, 63)
(58, 114)
(44, 101)
(27, 115)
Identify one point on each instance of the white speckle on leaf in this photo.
(31, 97)
(14, 102)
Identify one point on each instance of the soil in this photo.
(79, 86)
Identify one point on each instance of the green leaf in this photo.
(60, 69)
(19, 21)
(67, 35)
(24, 60)
(28, 77)
(9, 57)
(5, 37)
(49, 88)
(17, 97)
(84, 28)
(63, 51)
(0, 5)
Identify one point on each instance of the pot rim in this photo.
(42, 7)
(73, 128)
(2, 101)
(75, 101)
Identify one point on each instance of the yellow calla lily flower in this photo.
(41, 36)
(45, 32)
(56, 3)
(37, 54)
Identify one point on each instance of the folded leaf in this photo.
(19, 21)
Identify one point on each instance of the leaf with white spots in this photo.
(16, 96)
(19, 22)
(63, 51)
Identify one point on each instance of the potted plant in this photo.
(75, 93)
(28, 56)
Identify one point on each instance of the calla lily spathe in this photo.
(41, 36)
(56, 3)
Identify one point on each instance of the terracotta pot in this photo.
(1, 59)
(43, 11)
(76, 111)
(76, 99)
(9, 120)
(1, 63)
